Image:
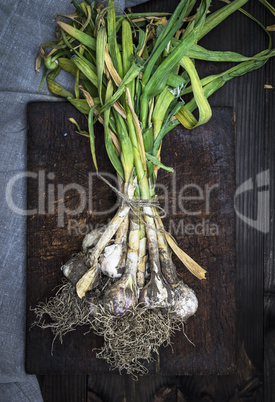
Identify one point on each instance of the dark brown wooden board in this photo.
(201, 158)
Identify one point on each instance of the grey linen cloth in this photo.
(25, 24)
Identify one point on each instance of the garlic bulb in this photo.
(110, 262)
(186, 302)
(156, 293)
(75, 268)
(92, 238)
(122, 295)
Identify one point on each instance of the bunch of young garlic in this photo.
(135, 88)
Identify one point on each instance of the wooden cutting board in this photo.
(199, 200)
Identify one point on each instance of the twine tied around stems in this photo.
(135, 204)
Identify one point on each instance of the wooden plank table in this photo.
(255, 121)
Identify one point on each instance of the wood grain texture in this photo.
(269, 241)
(70, 388)
(255, 149)
(244, 94)
(203, 160)
(198, 200)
